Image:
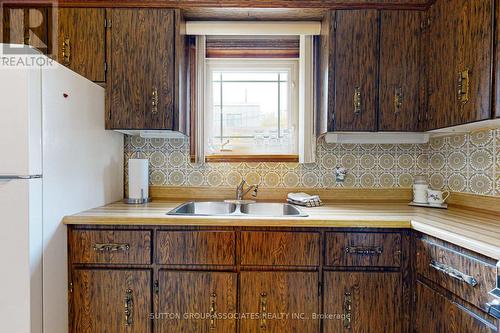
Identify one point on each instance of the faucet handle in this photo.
(255, 190)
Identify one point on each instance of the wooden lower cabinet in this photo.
(284, 302)
(437, 314)
(362, 302)
(196, 302)
(111, 301)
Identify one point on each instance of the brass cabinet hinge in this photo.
(105, 66)
(320, 289)
(70, 288)
(107, 23)
(156, 287)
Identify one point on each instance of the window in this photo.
(251, 106)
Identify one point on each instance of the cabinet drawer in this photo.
(196, 248)
(467, 276)
(110, 247)
(280, 248)
(363, 249)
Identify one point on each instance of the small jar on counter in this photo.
(420, 188)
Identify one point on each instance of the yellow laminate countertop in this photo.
(473, 230)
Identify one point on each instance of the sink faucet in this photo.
(240, 193)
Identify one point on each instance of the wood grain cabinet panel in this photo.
(362, 302)
(437, 314)
(401, 67)
(81, 41)
(363, 249)
(190, 296)
(294, 295)
(431, 257)
(141, 89)
(196, 248)
(461, 45)
(280, 248)
(28, 26)
(110, 247)
(101, 297)
(355, 64)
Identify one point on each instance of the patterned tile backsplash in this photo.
(463, 163)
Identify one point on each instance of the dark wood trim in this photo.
(252, 158)
(275, 54)
(332, 4)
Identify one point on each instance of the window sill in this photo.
(219, 158)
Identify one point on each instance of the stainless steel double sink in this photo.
(221, 208)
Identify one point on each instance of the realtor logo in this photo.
(34, 26)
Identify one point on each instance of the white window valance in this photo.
(252, 28)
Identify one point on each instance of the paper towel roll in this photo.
(138, 179)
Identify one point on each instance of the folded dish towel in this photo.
(304, 199)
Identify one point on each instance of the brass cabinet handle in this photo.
(363, 250)
(129, 307)
(357, 100)
(398, 99)
(154, 101)
(347, 309)
(66, 51)
(263, 311)
(454, 273)
(213, 300)
(111, 247)
(463, 86)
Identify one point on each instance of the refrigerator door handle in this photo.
(12, 177)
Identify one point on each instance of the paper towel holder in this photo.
(140, 201)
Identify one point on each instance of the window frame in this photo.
(258, 65)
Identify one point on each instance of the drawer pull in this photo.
(263, 311)
(347, 309)
(454, 273)
(213, 300)
(364, 251)
(129, 307)
(111, 247)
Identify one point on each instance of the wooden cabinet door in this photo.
(29, 26)
(101, 298)
(81, 40)
(437, 314)
(461, 45)
(284, 302)
(190, 296)
(400, 70)
(141, 86)
(475, 49)
(356, 70)
(365, 301)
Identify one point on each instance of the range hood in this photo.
(377, 138)
(153, 134)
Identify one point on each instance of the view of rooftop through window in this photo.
(252, 109)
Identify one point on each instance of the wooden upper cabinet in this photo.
(102, 297)
(401, 66)
(29, 26)
(355, 67)
(186, 293)
(460, 62)
(436, 314)
(81, 41)
(143, 87)
(368, 301)
(290, 293)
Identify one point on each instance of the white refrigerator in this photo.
(56, 159)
